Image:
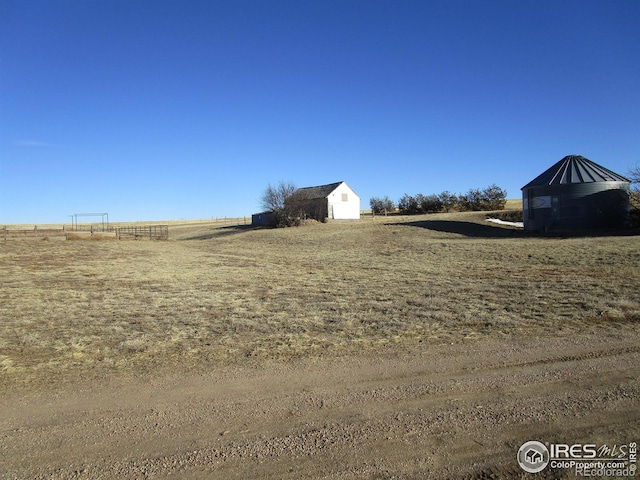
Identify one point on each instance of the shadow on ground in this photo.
(468, 229)
(221, 232)
(479, 230)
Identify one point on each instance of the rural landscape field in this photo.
(427, 346)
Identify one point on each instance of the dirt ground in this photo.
(448, 411)
(422, 347)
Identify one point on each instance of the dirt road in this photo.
(451, 411)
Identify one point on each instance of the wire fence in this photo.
(32, 233)
(152, 232)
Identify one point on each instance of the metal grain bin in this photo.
(576, 194)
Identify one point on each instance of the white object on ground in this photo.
(503, 222)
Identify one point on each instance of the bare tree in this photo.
(274, 197)
(634, 198)
(278, 199)
(634, 176)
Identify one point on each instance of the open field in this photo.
(347, 325)
(225, 294)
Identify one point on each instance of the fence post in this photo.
(35, 231)
(4, 231)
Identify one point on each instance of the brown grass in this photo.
(227, 294)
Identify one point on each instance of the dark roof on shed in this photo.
(321, 191)
(575, 169)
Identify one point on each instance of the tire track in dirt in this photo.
(459, 412)
(578, 357)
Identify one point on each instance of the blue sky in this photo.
(154, 110)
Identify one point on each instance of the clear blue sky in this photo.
(153, 110)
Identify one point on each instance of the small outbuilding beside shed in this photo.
(576, 194)
(263, 219)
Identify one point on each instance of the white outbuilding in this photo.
(335, 201)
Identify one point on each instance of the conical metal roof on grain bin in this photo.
(575, 169)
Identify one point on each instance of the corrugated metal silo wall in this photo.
(576, 206)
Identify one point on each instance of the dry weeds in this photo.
(232, 294)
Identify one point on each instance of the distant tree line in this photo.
(490, 198)
(382, 205)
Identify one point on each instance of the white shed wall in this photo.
(344, 208)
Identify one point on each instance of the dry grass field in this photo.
(214, 294)
(214, 298)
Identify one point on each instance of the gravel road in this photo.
(451, 411)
